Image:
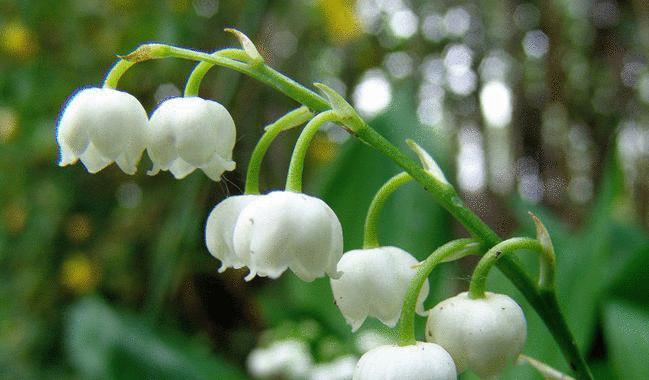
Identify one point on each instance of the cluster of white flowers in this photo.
(291, 359)
(482, 335)
(281, 230)
(100, 126)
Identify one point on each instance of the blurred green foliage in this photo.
(107, 276)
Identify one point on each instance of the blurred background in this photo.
(539, 105)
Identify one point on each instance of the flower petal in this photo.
(93, 160)
(68, 157)
(219, 230)
(217, 166)
(181, 169)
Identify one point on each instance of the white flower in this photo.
(423, 361)
(101, 126)
(190, 133)
(374, 283)
(482, 335)
(219, 231)
(339, 369)
(289, 359)
(284, 230)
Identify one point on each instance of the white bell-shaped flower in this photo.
(100, 126)
(190, 133)
(483, 335)
(423, 361)
(284, 230)
(374, 283)
(219, 230)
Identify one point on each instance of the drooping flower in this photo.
(423, 361)
(483, 335)
(99, 126)
(191, 133)
(374, 283)
(219, 230)
(283, 230)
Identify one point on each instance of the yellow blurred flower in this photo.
(322, 149)
(12, 331)
(8, 124)
(342, 23)
(78, 274)
(17, 40)
(78, 228)
(122, 4)
(178, 5)
(15, 217)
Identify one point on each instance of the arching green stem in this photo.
(371, 239)
(262, 73)
(296, 167)
(199, 72)
(450, 251)
(481, 271)
(292, 119)
(116, 72)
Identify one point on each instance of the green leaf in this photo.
(631, 281)
(626, 330)
(105, 343)
(183, 220)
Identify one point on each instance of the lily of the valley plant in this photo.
(271, 233)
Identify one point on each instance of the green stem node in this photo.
(371, 239)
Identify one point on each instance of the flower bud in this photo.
(101, 126)
(423, 361)
(482, 335)
(219, 230)
(284, 230)
(374, 283)
(190, 133)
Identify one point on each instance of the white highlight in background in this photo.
(372, 94)
(471, 160)
(496, 104)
